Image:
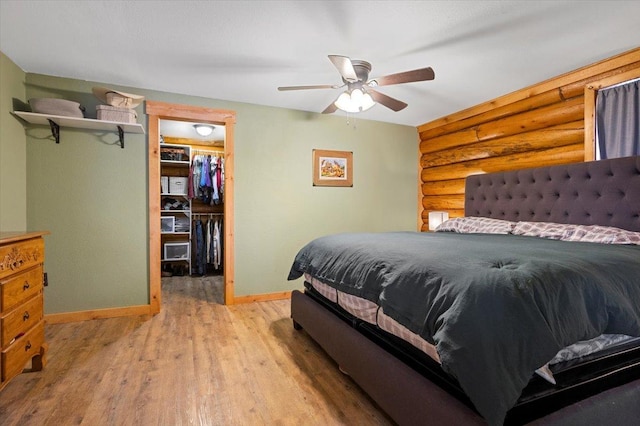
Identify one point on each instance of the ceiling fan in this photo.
(360, 94)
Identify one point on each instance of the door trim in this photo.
(161, 110)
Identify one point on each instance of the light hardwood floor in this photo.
(195, 363)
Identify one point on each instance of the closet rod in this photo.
(207, 214)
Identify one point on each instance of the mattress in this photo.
(570, 356)
(577, 371)
(371, 313)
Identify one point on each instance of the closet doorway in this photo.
(157, 111)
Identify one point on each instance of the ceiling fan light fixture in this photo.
(360, 94)
(344, 102)
(203, 129)
(356, 96)
(353, 102)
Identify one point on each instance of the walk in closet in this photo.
(192, 194)
(161, 117)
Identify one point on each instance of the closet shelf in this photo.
(169, 194)
(57, 121)
(176, 163)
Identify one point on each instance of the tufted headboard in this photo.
(605, 192)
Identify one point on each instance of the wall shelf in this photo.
(57, 121)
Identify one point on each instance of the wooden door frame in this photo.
(161, 110)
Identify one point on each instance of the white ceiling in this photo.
(243, 50)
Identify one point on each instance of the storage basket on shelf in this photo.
(121, 115)
(168, 224)
(178, 185)
(181, 224)
(164, 184)
(176, 251)
(173, 153)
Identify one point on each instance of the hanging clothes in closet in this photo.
(208, 231)
(206, 178)
(206, 186)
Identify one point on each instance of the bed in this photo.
(470, 330)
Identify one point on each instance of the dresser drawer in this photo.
(19, 288)
(16, 356)
(21, 255)
(20, 320)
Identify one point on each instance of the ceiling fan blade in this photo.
(345, 67)
(405, 77)
(317, 86)
(387, 101)
(330, 109)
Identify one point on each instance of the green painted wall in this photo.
(13, 149)
(278, 210)
(92, 195)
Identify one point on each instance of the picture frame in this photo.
(332, 168)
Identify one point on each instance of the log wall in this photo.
(541, 125)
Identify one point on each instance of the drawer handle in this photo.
(27, 346)
(25, 316)
(26, 286)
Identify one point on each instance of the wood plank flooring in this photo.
(195, 363)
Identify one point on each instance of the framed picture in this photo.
(332, 168)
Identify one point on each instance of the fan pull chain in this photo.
(354, 120)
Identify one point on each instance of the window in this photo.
(617, 120)
(590, 94)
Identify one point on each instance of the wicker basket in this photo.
(121, 115)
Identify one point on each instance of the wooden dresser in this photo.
(21, 303)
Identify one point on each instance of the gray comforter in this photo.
(497, 307)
